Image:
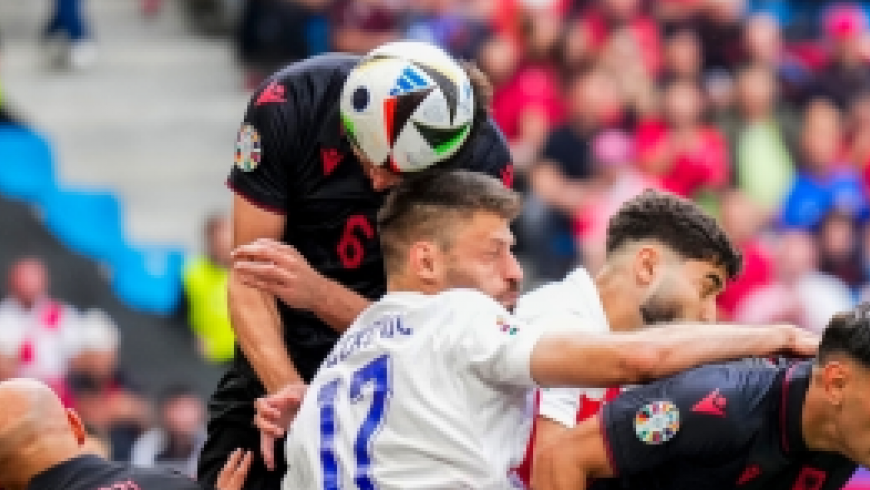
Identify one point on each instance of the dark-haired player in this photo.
(319, 143)
(666, 260)
(744, 425)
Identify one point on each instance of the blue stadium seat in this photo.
(88, 222)
(26, 169)
(149, 278)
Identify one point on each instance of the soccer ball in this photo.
(407, 105)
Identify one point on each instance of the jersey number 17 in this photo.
(376, 373)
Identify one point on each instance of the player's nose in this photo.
(514, 270)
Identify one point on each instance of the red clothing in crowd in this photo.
(644, 30)
(705, 165)
(534, 87)
(757, 272)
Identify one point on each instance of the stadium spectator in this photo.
(599, 21)
(175, 443)
(205, 288)
(622, 58)
(742, 221)
(109, 402)
(560, 178)
(42, 329)
(358, 26)
(683, 59)
(839, 250)
(615, 181)
(69, 35)
(447, 24)
(824, 182)
(530, 102)
(719, 25)
(761, 134)
(800, 294)
(857, 149)
(847, 73)
(762, 45)
(686, 155)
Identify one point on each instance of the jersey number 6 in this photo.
(377, 373)
(350, 248)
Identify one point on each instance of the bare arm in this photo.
(572, 458)
(574, 359)
(253, 313)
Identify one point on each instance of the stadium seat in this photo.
(149, 278)
(26, 170)
(88, 222)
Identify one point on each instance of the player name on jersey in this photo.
(385, 327)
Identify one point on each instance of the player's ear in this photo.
(647, 262)
(835, 377)
(77, 426)
(425, 262)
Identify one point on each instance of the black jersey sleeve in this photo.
(699, 416)
(486, 151)
(265, 145)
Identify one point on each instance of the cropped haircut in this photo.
(424, 206)
(677, 223)
(848, 334)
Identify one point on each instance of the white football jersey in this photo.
(574, 303)
(422, 392)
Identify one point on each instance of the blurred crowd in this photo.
(759, 110)
(76, 353)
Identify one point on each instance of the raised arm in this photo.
(577, 359)
(254, 313)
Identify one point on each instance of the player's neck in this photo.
(401, 283)
(817, 423)
(38, 458)
(622, 313)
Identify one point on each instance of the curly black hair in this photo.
(677, 223)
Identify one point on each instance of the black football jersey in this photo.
(93, 473)
(718, 427)
(292, 157)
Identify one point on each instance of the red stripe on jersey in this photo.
(782, 407)
(608, 448)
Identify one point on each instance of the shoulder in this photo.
(571, 295)
(466, 300)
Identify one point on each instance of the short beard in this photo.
(657, 309)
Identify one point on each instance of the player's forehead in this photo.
(483, 227)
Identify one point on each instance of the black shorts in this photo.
(231, 426)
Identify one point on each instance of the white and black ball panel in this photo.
(408, 105)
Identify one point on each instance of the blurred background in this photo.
(117, 120)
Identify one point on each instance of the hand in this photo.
(279, 269)
(235, 470)
(553, 470)
(274, 414)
